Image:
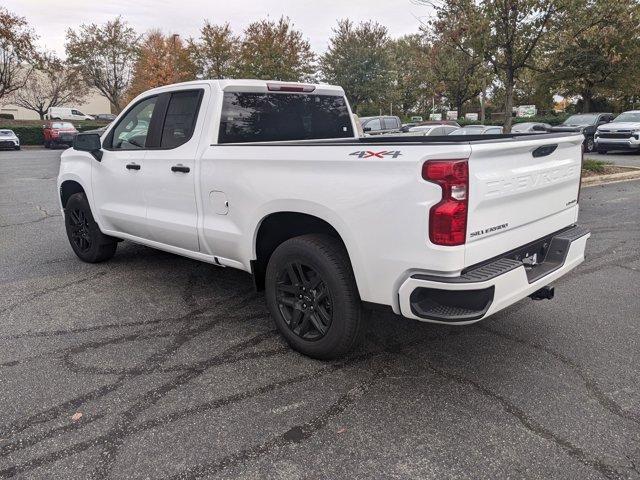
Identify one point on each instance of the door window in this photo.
(77, 112)
(374, 125)
(180, 119)
(131, 132)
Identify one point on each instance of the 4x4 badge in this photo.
(382, 154)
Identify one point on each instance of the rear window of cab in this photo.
(268, 117)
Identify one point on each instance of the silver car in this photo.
(8, 139)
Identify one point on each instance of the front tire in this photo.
(589, 144)
(312, 296)
(85, 237)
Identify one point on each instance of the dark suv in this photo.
(586, 123)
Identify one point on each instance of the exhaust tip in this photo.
(545, 293)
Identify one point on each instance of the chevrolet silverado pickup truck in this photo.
(623, 133)
(271, 178)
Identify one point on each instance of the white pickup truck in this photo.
(271, 178)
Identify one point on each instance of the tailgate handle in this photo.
(544, 150)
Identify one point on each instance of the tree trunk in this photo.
(41, 113)
(508, 101)
(459, 107)
(587, 98)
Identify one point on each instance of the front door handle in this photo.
(133, 166)
(180, 168)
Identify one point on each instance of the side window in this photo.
(493, 131)
(76, 112)
(435, 131)
(390, 124)
(131, 131)
(180, 119)
(374, 124)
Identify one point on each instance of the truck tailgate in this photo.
(519, 191)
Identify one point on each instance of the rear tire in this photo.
(85, 237)
(312, 296)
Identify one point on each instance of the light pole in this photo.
(174, 40)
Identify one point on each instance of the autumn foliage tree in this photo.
(51, 84)
(215, 53)
(17, 52)
(275, 51)
(105, 55)
(162, 60)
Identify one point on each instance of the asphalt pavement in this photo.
(624, 159)
(156, 366)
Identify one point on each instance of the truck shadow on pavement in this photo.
(220, 355)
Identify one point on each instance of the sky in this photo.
(51, 18)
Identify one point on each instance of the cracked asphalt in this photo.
(156, 366)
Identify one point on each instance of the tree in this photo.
(509, 31)
(411, 74)
(17, 52)
(516, 28)
(457, 58)
(274, 50)
(51, 84)
(105, 56)
(359, 59)
(215, 53)
(462, 77)
(596, 49)
(162, 59)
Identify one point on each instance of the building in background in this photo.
(92, 104)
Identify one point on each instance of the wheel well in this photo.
(276, 229)
(68, 188)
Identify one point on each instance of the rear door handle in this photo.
(180, 168)
(133, 166)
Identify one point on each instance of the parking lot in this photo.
(156, 366)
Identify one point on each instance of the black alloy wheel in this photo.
(304, 300)
(80, 234)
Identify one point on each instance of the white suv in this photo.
(623, 133)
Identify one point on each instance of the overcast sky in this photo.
(315, 19)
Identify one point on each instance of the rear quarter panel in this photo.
(379, 206)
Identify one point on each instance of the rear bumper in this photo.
(482, 291)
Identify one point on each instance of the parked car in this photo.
(478, 130)
(380, 125)
(58, 133)
(8, 139)
(108, 117)
(431, 130)
(586, 123)
(66, 113)
(405, 128)
(232, 179)
(530, 127)
(623, 133)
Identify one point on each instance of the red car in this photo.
(58, 133)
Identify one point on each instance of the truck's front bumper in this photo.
(490, 287)
(616, 144)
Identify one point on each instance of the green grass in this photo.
(596, 166)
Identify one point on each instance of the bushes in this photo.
(32, 134)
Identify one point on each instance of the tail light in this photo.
(448, 218)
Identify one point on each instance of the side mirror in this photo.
(89, 142)
(366, 129)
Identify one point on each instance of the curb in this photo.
(633, 174)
